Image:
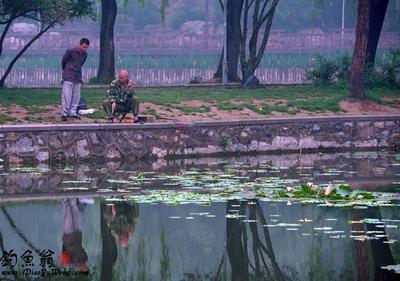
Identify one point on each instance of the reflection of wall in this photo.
(363, 170)
(78, 142)
(196, 246)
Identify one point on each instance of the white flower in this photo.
(328, 190)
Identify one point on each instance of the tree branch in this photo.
(270, 12)
(222, 5)
(263, 8)
(23, 50)
(3, 35)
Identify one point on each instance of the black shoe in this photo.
(64, 118)
(76, 117)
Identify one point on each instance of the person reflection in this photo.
(121, 219)
(117, 222)
(73, 254)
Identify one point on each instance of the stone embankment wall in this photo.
(45, 143)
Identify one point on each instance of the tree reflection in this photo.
(371, 256)
(117, 222)
(249, 245)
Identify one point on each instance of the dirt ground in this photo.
(159, 113)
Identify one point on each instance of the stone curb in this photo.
(182, 124)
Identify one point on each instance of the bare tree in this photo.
(262, 14)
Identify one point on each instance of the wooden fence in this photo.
(50, 77)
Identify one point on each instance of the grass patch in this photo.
(97, 114)
(36, 109)
(305, 97)
(318, 104)
(229, 106)
(151, 111)
(30, 97)
(5, 118)
(267, 109)
(378, 95)
(34, 119)
(192, 109)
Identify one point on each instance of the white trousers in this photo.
(71, 94)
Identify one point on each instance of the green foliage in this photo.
(229, 106)
(318, 104)
(192, 109)
(46, 11)
(141, 13)
(188, 12)
(294, 15)
(34, 119)
(341, 192)
(6, 118)
(35, 109)
(385, 73)
(306, 97)
(327, 71)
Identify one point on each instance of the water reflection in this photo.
(366, 170)
(73, 253)
(117, 223)
(236, 240)
(250, 251)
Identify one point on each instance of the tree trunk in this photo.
(234, 10)
(237, 252)
(360, 51)
(376, 18)
(20, 53)
(106, 71)
(256, 50)
(109, 251)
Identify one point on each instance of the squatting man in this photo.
(121, 97)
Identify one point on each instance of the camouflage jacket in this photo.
(116, 94)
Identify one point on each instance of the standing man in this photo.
(72, 62)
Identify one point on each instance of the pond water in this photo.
(203, 219)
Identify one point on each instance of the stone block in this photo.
(23, 145)
(379, 125)
(54, 142)
(42, 155)
(113, 153)
(316, 128)
(82, 148)
(159, 152)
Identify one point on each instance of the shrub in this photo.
(387, 74)
(327, 71)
